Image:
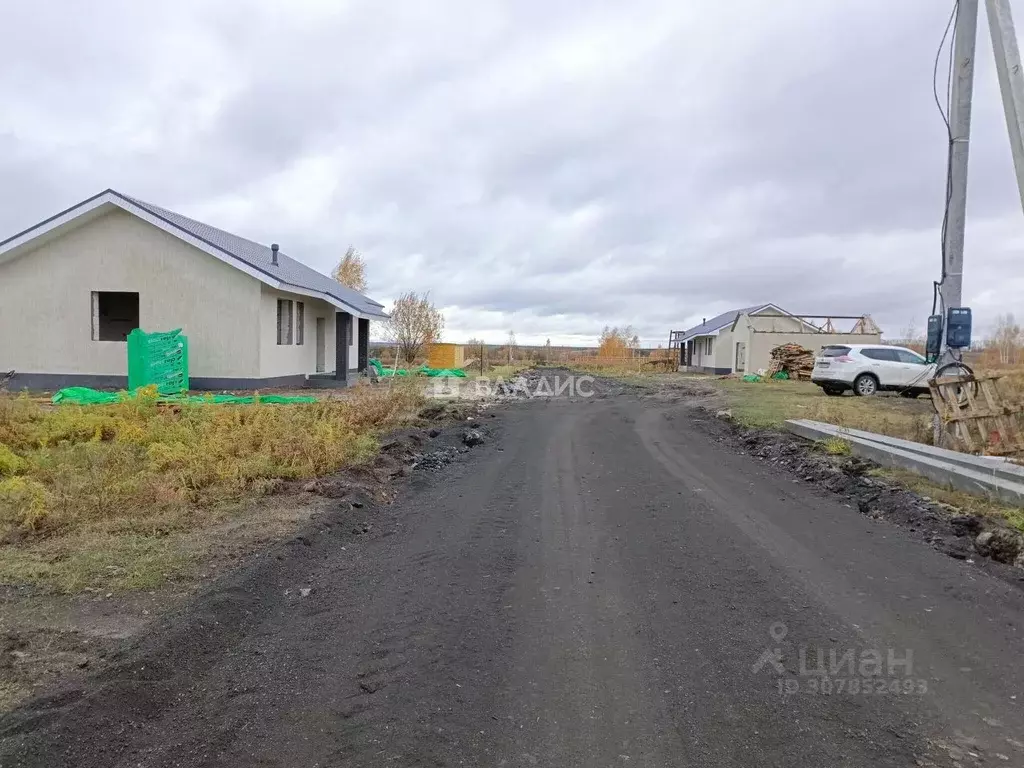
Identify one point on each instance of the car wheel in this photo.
(865, 385)
(833, 391)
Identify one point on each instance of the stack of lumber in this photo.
(795, 360)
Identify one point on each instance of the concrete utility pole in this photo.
(1011, 80)
(1011, 86)
(966, 35)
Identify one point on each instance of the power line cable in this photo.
(946, 114)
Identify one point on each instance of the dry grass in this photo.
(84, 489)
(1012, 383)
(103, 559)
(614, 367)
(499, 371)
(770, 403)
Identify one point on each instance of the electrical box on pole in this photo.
(958, 327)
(933, 342)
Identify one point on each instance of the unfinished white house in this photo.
(741, 340)
(72, 288)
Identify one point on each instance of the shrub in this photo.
(10, 463)
(836, 446)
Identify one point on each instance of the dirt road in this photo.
(600, 584)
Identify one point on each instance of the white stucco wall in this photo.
(761, 344)
(725, 349)
(46, 304)
(284, 359)
(700, 356)
(762, 334)
(770, 320)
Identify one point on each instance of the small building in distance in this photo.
(741, 340)
(448, 356)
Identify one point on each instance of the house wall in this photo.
(770, 320)
(700, 356)
(761, 344)
(763, 332)
(702, 361)
(46, 304)
(760, 333)
(724, 351)
(278, 360)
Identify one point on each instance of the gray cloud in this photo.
(551, 168)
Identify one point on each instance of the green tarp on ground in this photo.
(442, 372)
(423, 370)
(382, 371)
(754, 378)
(86, 396)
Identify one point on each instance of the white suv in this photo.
(870, 368)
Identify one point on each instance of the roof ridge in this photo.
(723, 319)
(153, 208)
(288, 271)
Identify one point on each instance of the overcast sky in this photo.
(547, 167)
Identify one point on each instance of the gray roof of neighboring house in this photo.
(720, 321)
(257, 256)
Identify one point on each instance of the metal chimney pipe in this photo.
(274, 248)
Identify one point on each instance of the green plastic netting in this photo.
(86, 396)
(160, 359)
(423, 370)
(442, 372)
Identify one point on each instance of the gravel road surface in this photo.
(600, 584)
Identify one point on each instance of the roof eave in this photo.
(24, 241)
(325, 297)
(703, 333)
(29, 238)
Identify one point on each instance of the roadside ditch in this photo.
(984, 540)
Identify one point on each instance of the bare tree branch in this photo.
(414, 323)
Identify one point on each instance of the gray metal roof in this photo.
(720, 321)
(288, 270)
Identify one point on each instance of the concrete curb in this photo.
(974, 474)
(994, 465)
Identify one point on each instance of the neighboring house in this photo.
(73, 286)
(741, 340)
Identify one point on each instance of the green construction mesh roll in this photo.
(160, 359)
